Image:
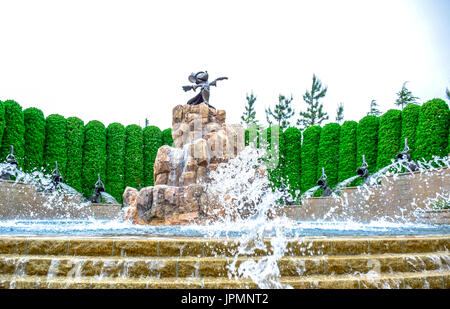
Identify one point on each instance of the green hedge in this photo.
(55, 143)
(153, 139)
(310, 147)
(167, 137)
(273, 138)
(389, 137)
(328, 153)
(14, 132)
(293, 159)
(94, 155)
(367, 136)
(115, 165)
(347, 150)
(2, 124)
(34, 139)
(133, 156)
(410, 121)
(432, 130)
(74, 142)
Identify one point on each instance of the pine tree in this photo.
(447, 92)
(405, 97)
(146, 122)
(249, 116)
(314, 114)
(281, 113)
(374, 111)
(340, 113)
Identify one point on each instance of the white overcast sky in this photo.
(123, 61)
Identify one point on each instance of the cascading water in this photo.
(250, 205)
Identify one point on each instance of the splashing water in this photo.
(243, 189)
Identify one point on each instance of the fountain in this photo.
(202, 141)
(212, 219)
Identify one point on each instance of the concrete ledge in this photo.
(22, 201)
(406, 197)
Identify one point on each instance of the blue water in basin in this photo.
(72, 227)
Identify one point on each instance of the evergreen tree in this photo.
(447, 92)
(249, 116)
(340, 113)
(281, 113)
(314, 114)
(146, 122)
(405, 97)
(374, 111)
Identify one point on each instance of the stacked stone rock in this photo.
(202, 141)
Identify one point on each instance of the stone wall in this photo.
(22, 201)
(403, 197)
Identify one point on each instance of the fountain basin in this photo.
(190, 262)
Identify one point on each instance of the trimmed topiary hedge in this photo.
(273, 139)
(115, 165)
(389, 137)
(34, 139)
(94, 155)
(410, 121)
(2, 123)
(310, 147)
(367, 139)
(293, 160)
(432, 130)
(55, 143)
(167, 137)
(347, 150)
(14, 132)
(74, 143)
(328, 153)
(133, 156)
(153, 139)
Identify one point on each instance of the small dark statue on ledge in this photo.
(99, 188)
(200, 79)
(11, 169)
(57, 178)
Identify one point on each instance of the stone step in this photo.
(183, 267)
(422, 280)
(206, 247)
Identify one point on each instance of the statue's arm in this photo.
(213, 83)
(190, 87)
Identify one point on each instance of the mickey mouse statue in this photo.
(200, 79)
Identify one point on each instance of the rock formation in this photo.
(202, 140)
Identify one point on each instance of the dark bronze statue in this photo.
(405, 156)
(323, 184)
(99, 188)
(57, 177)
(200, 79)
(12, 165)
